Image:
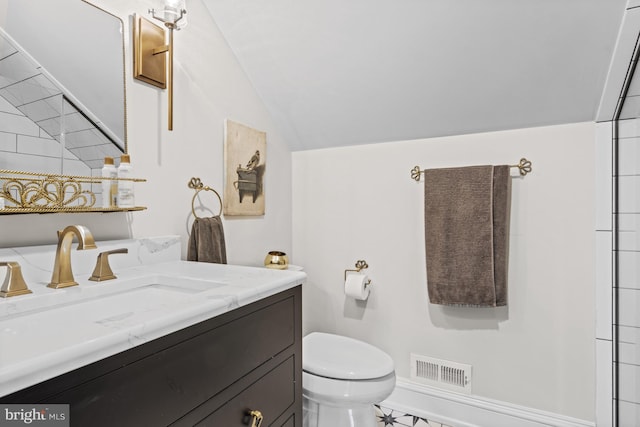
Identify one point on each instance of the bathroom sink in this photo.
(92, 300)
(111, 308)
(172, 284)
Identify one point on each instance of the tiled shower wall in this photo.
(24, 146)
(604, 274)
(627, 263)
(618, 271)
(618, 276)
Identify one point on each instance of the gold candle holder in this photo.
(276, 260)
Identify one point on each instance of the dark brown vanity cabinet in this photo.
(210, 374)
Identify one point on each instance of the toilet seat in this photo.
(343, 358)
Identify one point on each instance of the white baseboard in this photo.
(460, 410)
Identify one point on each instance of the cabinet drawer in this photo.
(272, 395)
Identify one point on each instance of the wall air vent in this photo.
(441, 373)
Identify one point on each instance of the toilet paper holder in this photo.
(360, 265)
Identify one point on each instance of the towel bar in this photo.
(524, 166)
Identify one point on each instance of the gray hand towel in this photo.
(206, 242)
(466, 235)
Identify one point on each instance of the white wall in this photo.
(360, 203)
(209, 87)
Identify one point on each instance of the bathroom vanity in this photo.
(168, 343)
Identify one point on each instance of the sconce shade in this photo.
(173, 13)
(176, 11)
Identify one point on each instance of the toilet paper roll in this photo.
(356, 286)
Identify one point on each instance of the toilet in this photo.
(342, 378)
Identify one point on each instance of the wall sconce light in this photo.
(149, 46)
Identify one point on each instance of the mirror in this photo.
(62, 86)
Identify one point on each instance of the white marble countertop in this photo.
(53, 331)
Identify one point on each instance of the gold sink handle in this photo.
(14, 283)
(103, 269)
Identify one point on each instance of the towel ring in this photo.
(197, 185)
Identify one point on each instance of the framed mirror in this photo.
(62, 87)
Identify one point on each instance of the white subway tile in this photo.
(628, 307)
(629, 194)
(26, 91)
(629, 414)
(51, 126)
(629, 156)
(629, 128)
(604, 173)
(41, 109)
(17, 68)
(634, 88)
(629, 345)
(629, 269)
(604, 384)
(76, 167)
(7, 141)
(18, 124)
(603, 284)
(6, 107)
(89, 153)
(628, 232)
(631, 106)
(86, 138)
(44, 134)
(29, 162)
(41, 146)
(629, 383)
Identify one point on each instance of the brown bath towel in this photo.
(467, 235)
(206, 242)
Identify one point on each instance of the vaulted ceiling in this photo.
(335, 72)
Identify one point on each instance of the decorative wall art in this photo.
(245, 161)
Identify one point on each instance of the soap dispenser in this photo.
(109, 186)
(125, 186)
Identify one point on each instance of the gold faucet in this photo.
(62, 275)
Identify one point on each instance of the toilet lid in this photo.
(335, 356)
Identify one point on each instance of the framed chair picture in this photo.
(245, 162)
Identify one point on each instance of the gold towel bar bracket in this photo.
(360, 265)
(524, 166)
(196, 184)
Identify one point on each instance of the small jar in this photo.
(276, 260)
(125, 187)
(109, 186)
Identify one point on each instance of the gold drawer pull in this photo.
(256, 418)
